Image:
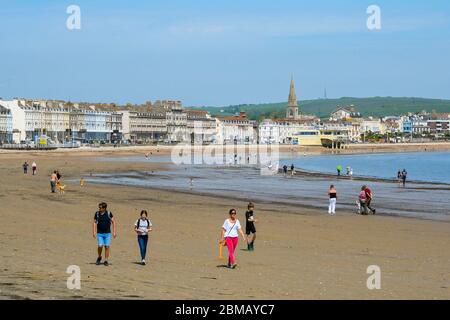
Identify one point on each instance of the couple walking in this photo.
(101, 230)
(231, 229)
(33, 167)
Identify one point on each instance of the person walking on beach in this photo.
(404, 174)
(292, 170)
(142, 227)
(332, 193)
(25, 167)
(53, 180)
(101, 230)
(339, 169)
(34, 168)
(230, 236)
(362, 200)
(285, 170)
(250, 229)
(58, 175)
(399, 176)
(369, 197)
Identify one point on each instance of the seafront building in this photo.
(6, 126)
(61, 121)
(236, 129)
(166, 121)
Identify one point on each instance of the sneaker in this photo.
(99, 260)
(106, 263)
(143, 262)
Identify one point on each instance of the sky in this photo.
(219, 53)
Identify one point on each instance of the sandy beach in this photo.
(300, 252)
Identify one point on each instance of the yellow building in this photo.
(321, 137)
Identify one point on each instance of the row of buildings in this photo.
(167, 121)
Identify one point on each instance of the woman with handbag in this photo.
(230, 236)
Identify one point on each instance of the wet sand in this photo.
(300, 253)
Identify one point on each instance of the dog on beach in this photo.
(61, 188)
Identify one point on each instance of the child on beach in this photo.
(230, 236)
(250, 229)
(142, 227)
(332, 193)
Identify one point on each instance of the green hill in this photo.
(375, 106)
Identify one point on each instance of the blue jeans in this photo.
(143, 240)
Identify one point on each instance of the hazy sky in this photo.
(223, 52)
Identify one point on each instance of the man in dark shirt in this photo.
(101, 230)
(250, 227)
(285, 167)
(25, 167)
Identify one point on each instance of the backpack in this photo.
(139, 223)
(97, 215)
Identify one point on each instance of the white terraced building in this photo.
(6, 127)
(61, 122)
(235, 129)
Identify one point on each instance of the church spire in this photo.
(292, 101)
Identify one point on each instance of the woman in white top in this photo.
(142, 227)
(230, 236)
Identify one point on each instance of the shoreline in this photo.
(167, 149)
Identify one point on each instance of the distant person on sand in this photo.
(292, 170)
(143, 226)
(53, 180)
(332, 193)
(250, 229)
(25, 167)
(230, 236)
(101, 230)
(362, 200)
(34, 168)
(399, 176)
(285, 170)
(369, 197)
(404, 174)
(82, 182)
(339, 169)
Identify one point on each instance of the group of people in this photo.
(104, 226)
(364, 200)
(349, 171)
(25, 166)
(401, 176)
(285, 170)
